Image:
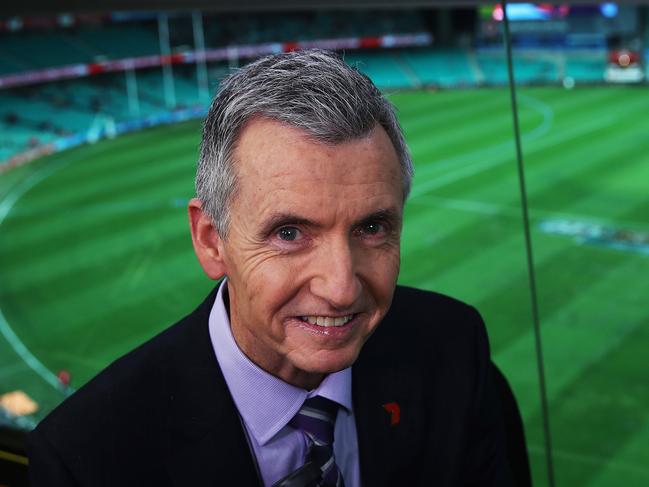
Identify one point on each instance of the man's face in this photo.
(312, 254)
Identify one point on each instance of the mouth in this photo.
(337, 328)
(327, 321)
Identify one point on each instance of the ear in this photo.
(208, 245)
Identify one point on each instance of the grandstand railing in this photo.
(210, 55)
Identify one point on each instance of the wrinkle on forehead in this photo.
(275, 157)
(268, 134)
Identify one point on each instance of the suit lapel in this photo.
(389, 411)
(206, 441)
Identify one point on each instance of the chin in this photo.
(329, 361)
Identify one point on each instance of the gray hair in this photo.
(312, 90)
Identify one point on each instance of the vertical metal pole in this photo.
(165, 51)
(131, 92)
(201, 65)
(530, 256)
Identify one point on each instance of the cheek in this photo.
(277, 272)
(379, 272)
(384, 262)
(271, 283)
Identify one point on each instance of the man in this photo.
(305, 366)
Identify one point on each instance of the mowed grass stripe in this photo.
(470, 264)
(119, 326)
(144, 230)
(430, 223)
(79, 195)
(530, 348)
(177, 166)
(33, 230)
(500, 159)
(510, 197)
(576, 335)
(428, 120)
(415, 103)
(498, 182)
(605, 160)
(431, 164)
(457, 244)
(497, 159)
(36, 232)
(597, 414)
(493, 276)
(129, 152)
(75, 157)
(566, 187)
(563, 268)
(631, 462)
(557, 156)
(54, 243)
(107, 156)
(452, 259)
(105, 286)
(483, 132)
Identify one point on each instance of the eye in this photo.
(372, 228)
(288, 234)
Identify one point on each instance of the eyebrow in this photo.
(385, 214)
(277, 220)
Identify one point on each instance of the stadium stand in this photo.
(280, 27)
(80, 104)
(529, 67)
(123, 41)
(441, 67)
(386, 69)
(585, 67)
(29, 50)
(38, 50)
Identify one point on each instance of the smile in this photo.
(327, 321)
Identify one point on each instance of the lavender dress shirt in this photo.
(266, 404)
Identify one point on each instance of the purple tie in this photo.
(316, 419)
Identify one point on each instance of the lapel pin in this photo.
(395, 412)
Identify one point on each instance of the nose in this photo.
(336, 278)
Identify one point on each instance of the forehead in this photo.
(279, 162)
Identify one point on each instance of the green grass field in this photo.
(95, 257)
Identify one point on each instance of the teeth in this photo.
(327, 321)
(339, 321)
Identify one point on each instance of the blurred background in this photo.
(100, 114)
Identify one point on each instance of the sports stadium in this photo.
(529, 132)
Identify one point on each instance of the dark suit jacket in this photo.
(162, 415)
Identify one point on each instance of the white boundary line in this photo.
(16, 343)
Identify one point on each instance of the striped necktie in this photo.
(316, 419)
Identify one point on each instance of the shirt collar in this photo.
(265, 402)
